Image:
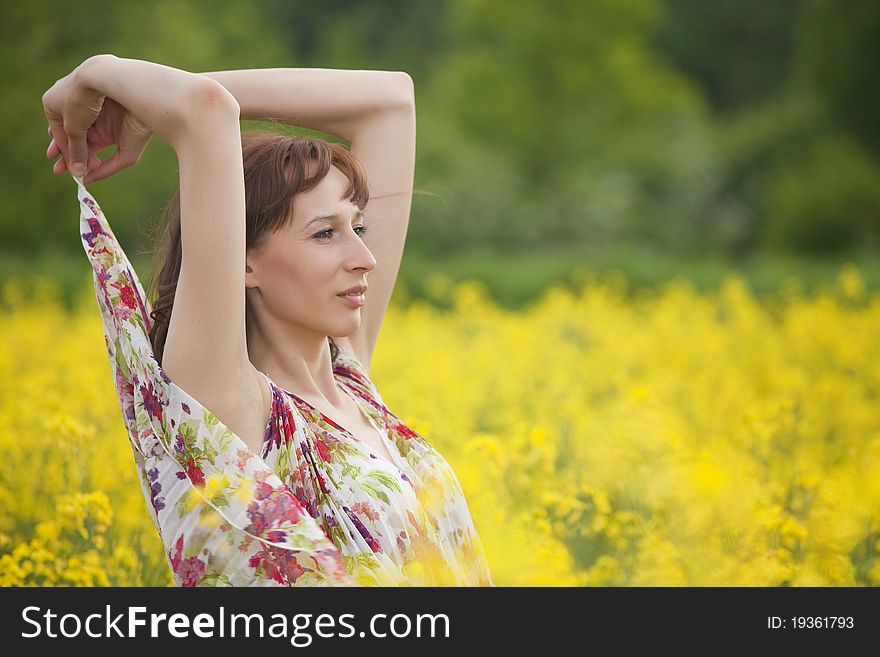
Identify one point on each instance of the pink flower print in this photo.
(126, 293)
(94, 230)
(195, 473)
(258, 521)
(241, 456)
(189, 571)
(273, 435)
(308, 503)
(103, 277)
(126, 393)
(151, 401)
(405, 431)
(131, 278)
(364, 532)
(175, 553)
(122, 312)
(277, 564)
(323, 450)
(273, 508)
(365, 509)
(264, 490)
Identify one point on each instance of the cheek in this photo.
(298, 289)
(301, 277)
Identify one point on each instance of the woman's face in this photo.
(303, 267)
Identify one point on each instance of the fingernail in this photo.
(78, 169)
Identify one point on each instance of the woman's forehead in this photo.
(327, 196)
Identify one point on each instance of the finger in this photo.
(82, 108)
(77, 149)
(60, 138)
(59, 167)
(77, 153)
(94, 163)
(108, 168)
(54, 150)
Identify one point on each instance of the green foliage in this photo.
(739, 53)
(839, 50)
(558, 125)
(683, 125)
(826, 202)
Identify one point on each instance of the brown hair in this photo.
(275, 168)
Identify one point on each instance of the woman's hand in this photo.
(83, 122)
(117, 126)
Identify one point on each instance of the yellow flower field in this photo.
(602, 437)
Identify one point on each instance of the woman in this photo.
(262, 292)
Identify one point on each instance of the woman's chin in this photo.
(346, 329)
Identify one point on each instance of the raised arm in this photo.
(199, 119)
(334, 101)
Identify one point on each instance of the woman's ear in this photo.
(250, 276)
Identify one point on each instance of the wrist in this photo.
(86, 75)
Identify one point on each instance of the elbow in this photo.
(210, 96)
(204, 105)
(404, 89)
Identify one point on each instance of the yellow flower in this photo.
(245, 491)
(215, 485)
(599, 437)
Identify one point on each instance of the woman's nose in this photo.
(362, 255)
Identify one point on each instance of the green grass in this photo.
(516, 278)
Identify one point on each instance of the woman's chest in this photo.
(357, 426)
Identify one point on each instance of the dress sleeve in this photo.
(224, 516)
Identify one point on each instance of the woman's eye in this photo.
(325, 234)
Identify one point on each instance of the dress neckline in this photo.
(384, 438)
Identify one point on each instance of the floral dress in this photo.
(316, 508)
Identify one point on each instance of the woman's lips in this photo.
(354, 300)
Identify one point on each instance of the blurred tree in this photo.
(604, 138)
(674, 122)
(804, 163)
(827, 202)
(839, 47)
(739, 51)
(380, 34)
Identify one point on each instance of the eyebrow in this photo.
(324, 217)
